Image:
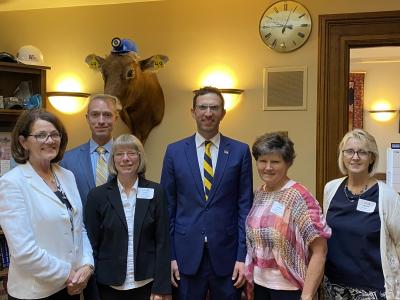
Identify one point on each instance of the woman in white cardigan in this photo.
(364, 250)
(41, 215)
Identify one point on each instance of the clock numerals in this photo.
(300, 34)
(294, 43)
(285, 6)
(304, 25)
(276, 10)
(282, 45)
(302, 15)
(273, 45)
(268, 35)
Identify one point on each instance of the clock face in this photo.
(285, 26)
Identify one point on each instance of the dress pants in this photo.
(108, 293)
(263, 293)
(195, 287)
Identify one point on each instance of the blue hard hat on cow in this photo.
(123, 45)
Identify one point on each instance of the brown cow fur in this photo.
(136, 85)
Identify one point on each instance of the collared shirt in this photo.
(128, 199)
(200, 148)
(94, 156)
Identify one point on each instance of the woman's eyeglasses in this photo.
(349, 153)
(42, 137)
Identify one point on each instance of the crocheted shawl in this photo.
(279, 229)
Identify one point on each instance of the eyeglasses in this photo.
(131, 154)
(203, 107)
(349, 153)
(42, 137)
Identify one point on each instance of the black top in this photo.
(354, 248)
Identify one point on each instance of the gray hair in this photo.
(274, 142)
(131, 141)
(362, 136)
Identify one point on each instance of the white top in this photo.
(200, 148)
(129, 203)
(389, 212)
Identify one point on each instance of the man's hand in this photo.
(174, 273)
(238, 274)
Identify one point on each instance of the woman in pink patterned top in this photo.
(285, 229)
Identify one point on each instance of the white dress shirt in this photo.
(200, 148)
(129, 203)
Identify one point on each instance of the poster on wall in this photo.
(356, 99)
(5, 152)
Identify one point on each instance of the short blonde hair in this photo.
(131, 141)
(113, 100)
(372, 147)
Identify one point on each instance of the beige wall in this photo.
(195, 35)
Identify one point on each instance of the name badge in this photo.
(278, 209)
(145, 193)
(366, 206)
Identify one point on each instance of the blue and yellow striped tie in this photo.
(208, 169)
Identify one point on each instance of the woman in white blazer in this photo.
(363, 260)
(41, 215)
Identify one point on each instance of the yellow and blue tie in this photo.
(101, 166)
(208, 169)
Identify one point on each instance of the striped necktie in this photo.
(208, 169)
(101, 166)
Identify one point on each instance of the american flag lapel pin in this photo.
(226, 152)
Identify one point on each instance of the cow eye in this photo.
(129, 74)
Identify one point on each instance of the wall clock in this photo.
(285, 26)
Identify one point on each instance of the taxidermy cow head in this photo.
(136, 85)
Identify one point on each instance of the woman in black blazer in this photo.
(127, 224)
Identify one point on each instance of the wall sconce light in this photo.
(68, 102)
(231, 97)
(382, 115)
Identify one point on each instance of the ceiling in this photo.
(13, 5)
(375, 55)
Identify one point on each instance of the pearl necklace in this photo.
(355, 196)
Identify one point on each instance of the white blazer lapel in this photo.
(37, 183)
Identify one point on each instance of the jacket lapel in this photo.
(114, 197)
(140, 213)
(38, 184)
(191, 157)
(223, 156)
(87, 168)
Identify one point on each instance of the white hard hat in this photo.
(30, 55)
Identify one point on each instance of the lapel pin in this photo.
(226, 152)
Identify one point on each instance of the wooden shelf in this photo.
(11, 75)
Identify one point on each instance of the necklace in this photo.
(354, 197)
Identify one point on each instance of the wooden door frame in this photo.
(337, 34)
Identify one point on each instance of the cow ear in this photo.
(154, 63)
(94, 61)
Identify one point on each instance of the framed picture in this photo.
(285, 88)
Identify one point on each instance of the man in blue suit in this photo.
(208, 205)
(101, 116)
(82, 161)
